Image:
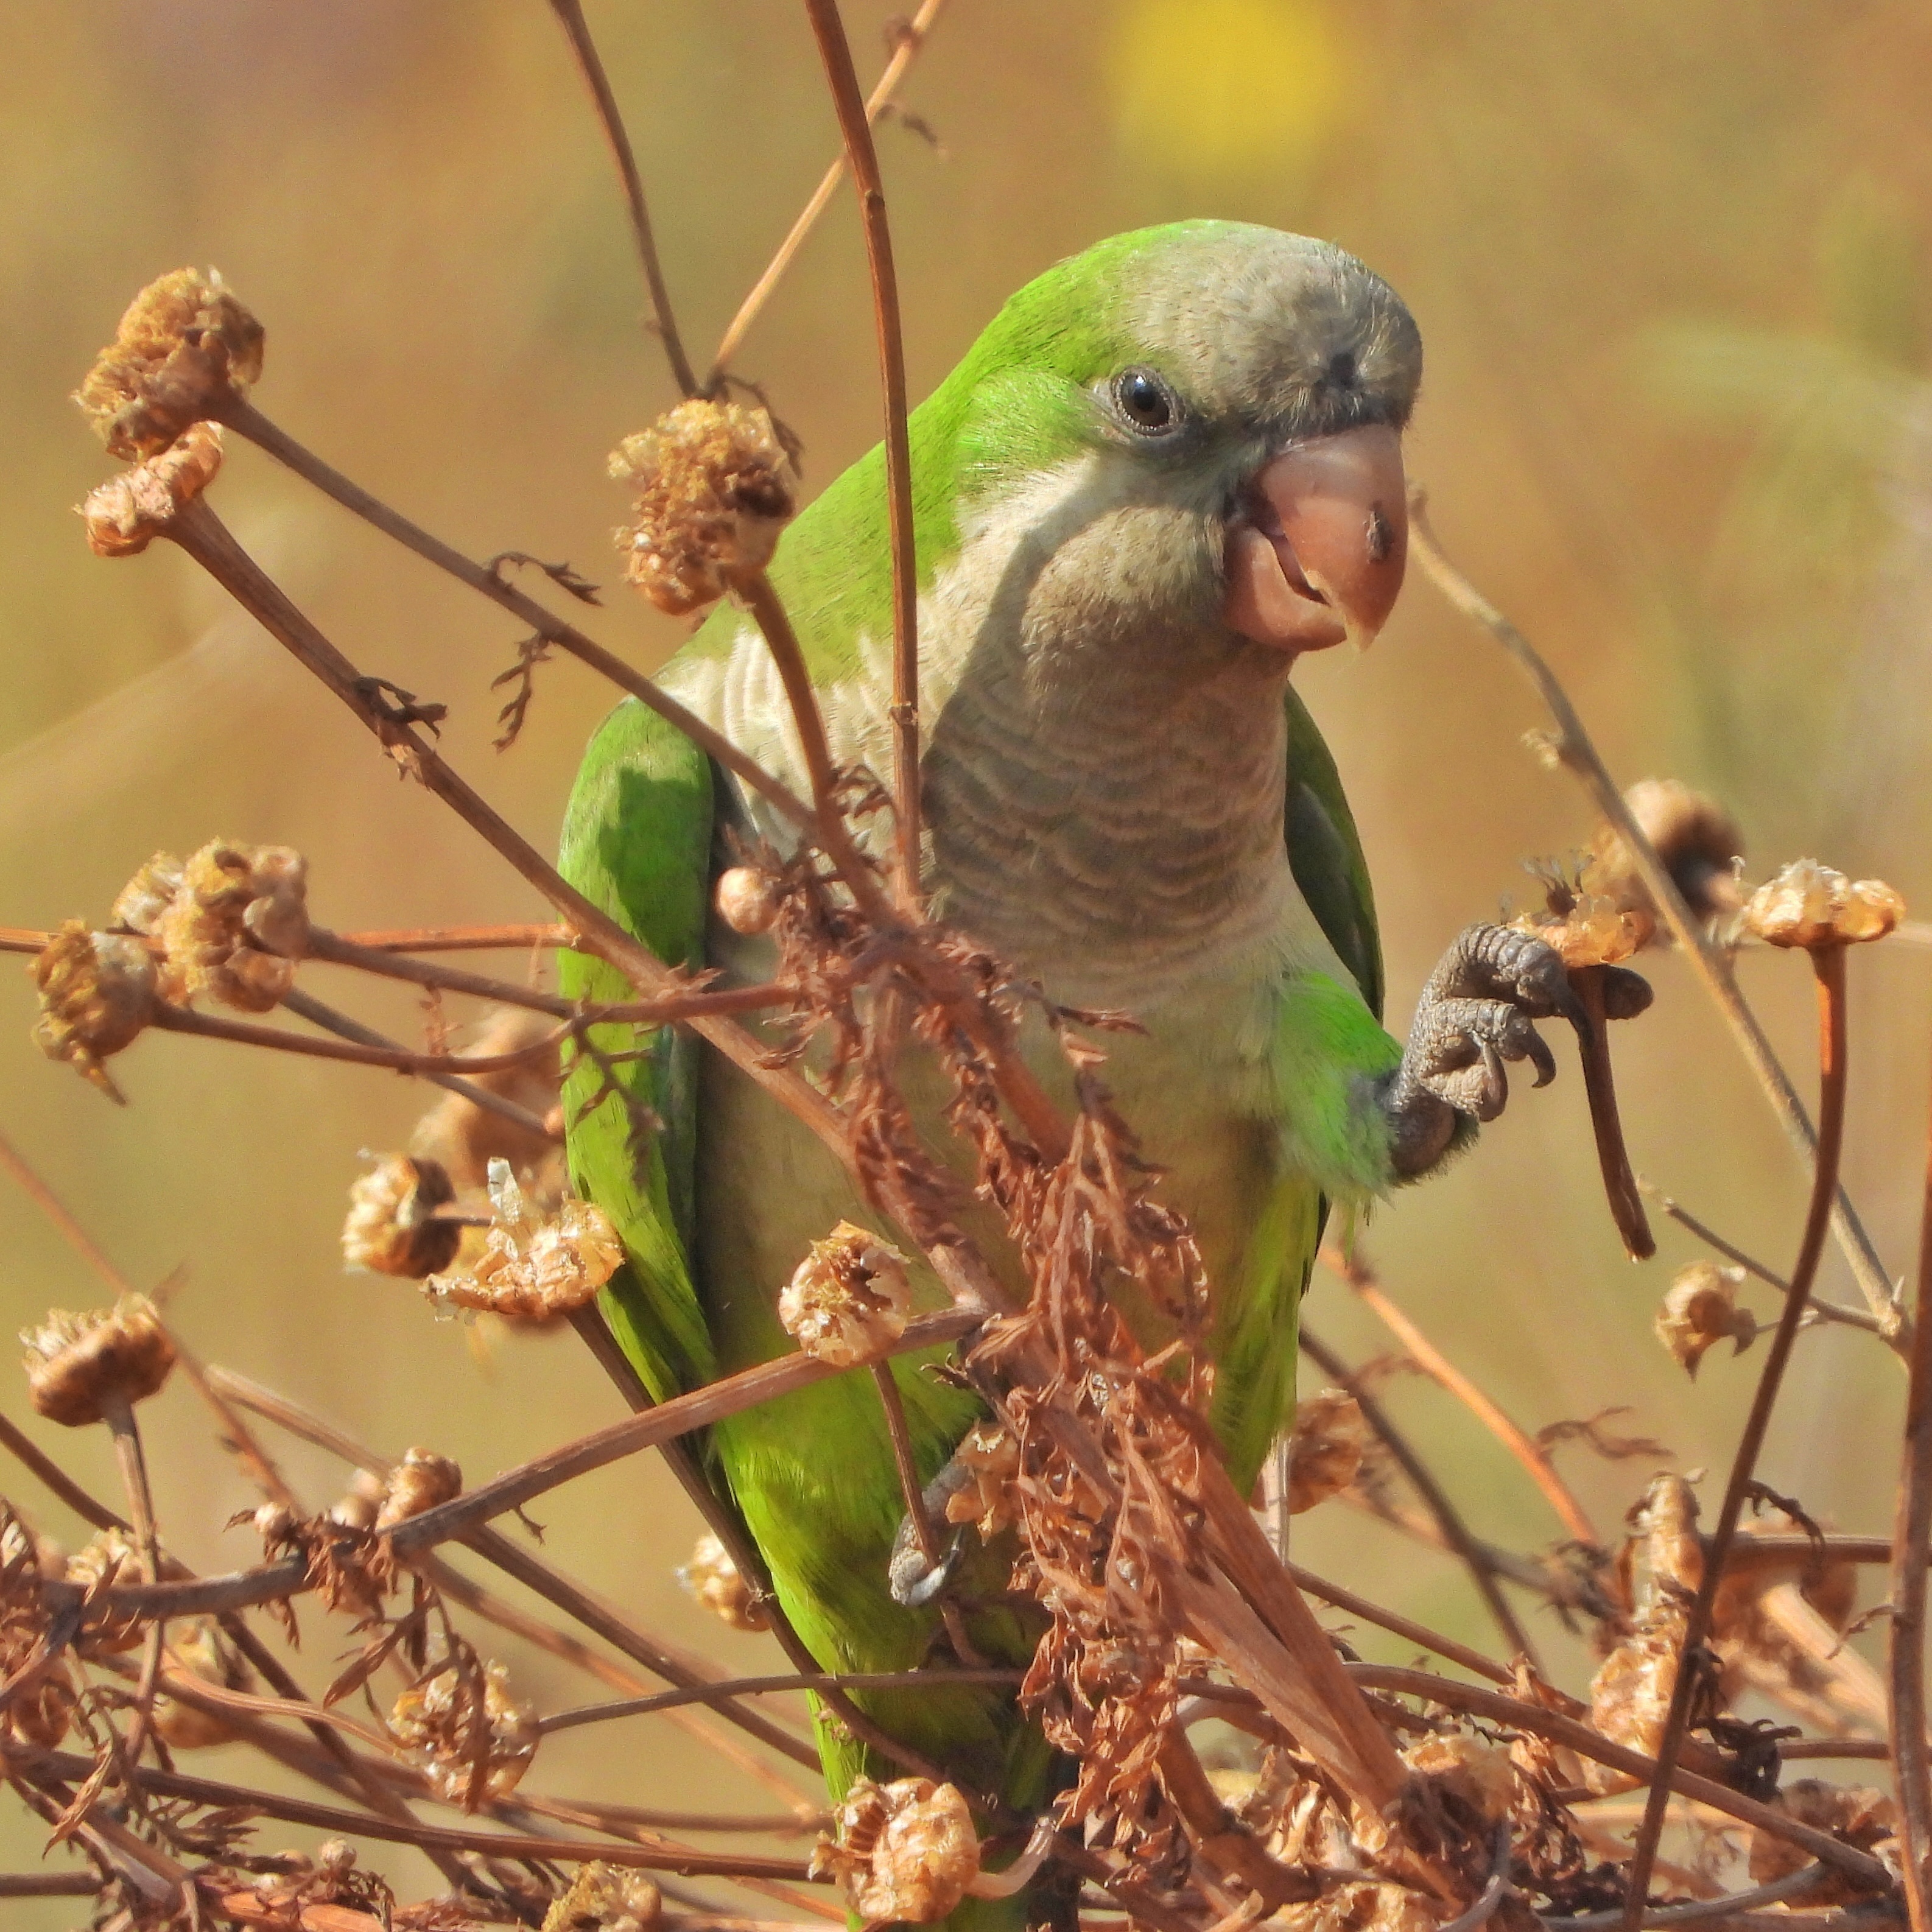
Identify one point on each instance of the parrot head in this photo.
(1231, 401)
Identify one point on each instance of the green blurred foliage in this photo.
(1669, 260)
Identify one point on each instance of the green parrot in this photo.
(1169, 466)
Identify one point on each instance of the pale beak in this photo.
(1318, 556)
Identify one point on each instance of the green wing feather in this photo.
(637, 842)
(1325, 854)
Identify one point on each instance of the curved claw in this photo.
(1536, 1051)
(914, 1584)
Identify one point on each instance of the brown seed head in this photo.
(125, 515)
(1809, 905)
(717, 1583)
(849, 1299)
(97, 993)
(184, 347)
(465, 1138)
(82, 1367)
(443, 1725)
(109, 1560)
(1478, 1773)
(990, 1454)
(1698, 841)
(533, 1268)
(747, 899)
(237, 924)
(1362, 1906)
(389, 1230)
(1589, 930)
(1325, 1452)
(139, 905)
(715, 486)
(1699, 1309)
(199, 1649)
(421, 1480)
(904, 1852)
(1855, 1813)
(38, 1713)
(606, 1898)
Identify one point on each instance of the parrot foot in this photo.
(1475, 1014)
(914, 1583)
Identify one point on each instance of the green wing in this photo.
(1325, 855)
(637, 843)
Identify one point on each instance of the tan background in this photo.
(1669, 261)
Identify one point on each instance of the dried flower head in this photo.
(1855, 1813)
(1362, 1906)
(237, 924)
(421, 1480)
(606, 1898)
(390, 1228)
(199, 1649)
(39, 1712)
(533, 1268)
(139, 904)
(460, 1726)
(1810, 905)
(988, 1456)
(715, 485)
(1479, 1773)
(1585, 930)
(1698, 841)
(849, 1299)
(108, 1559)
(721, 1586)
(97, 993)
(125, 515)
(905, 1852)
(464, 1137)
(1699, 1309)
(1325, 1451)
(82, 1367)
(747, 899)
(184, 347)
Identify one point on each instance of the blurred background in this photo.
(1670, 265)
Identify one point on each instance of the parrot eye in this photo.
(1146, 401)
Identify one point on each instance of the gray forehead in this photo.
(1252, 322)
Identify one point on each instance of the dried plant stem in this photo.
(855, 126)
(1828, 966)
(1524, 1447)
(1600, 1086)
(26, 1451)
(462, 938)
(817, 1682)
(570, 15)
(1342, 1599)
(48, 1884)
(1577, 751)
(1912, 1541)
(911, 37)
(1456, 1533)
(246, 420)
(132, 1459)
(50, 1204)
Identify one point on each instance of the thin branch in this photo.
(1794, 1885)
(1829, 965)
(463, 938)
(55, 1210)
(1448, 1519)
(751, 1687)
(1344, 1599)
(570, 15)
(855, 125)
(1911, 1541)
(49, 1885)
(911, 38)
(1576, 750)
(23, 1448)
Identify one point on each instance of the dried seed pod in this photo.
(1809, 905)
(390, 1229)
(107, 1560)
(139, 905)
(451, 1720)
(533, 1268)
(1362, 1906)
(1854, 1812)
(81, 1367)
(715, 485)
(464, 1137)
(184, 347)
(1698, 841)
(358, 1506)
(125, 515)
(236, 926)
(421, 1480)
(1585, 930)
(718, 1584)
(747, 899)
(1479, 1774)
(989, 1453)
(849, 1299)
(606, 1898)
(905, 1852)
(1699, 1309)
(97, 993)
(39, 1713)
(200, 1650)
(1325, 1451)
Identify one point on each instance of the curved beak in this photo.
(1318, 557)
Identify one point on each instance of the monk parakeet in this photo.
(1168, 467)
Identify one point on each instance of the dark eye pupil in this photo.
(1145, 401)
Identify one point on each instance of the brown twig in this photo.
(1434, 1364)
(23, 1448)
(1577, 751)
(1345, 1599)
(55, 1210)
(1912, 1541)
(855, 125)
(570, 15)
(462, 938)
(1599, 1087)
(1829, 965)
(751, 1687)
